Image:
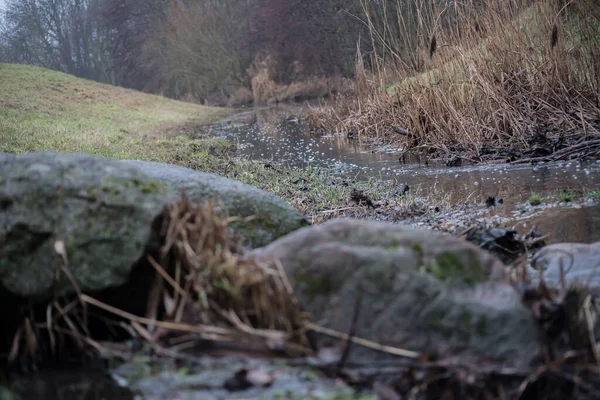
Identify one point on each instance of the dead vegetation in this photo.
(206, 287)
(266, 89)
(203, 273)
(506, 78)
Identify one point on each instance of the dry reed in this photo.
(479, 77)
(266, 89)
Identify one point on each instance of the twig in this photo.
(362, 342)
(402, 131)
(166, 276)
(561, 153)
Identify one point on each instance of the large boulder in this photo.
(103, 210)
(418, 290)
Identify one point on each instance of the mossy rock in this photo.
(103, 211)
(416, 289)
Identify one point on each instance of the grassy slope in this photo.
(42, 109)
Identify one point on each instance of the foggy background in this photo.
(196, 50)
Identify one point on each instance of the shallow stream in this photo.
(275, 134)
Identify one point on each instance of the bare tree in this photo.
(65, 35)
(131, 24)
(319, 35)
(195, 50)
(183, 48)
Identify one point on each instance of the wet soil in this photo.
(567, 225)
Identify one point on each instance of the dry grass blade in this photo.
(30, 338)
(362, 342)
(591, 319)
(60, 249)
(205, 331)
(15, 346)
(72, 326)
(166, 276)
(50, 330)
(225, 287)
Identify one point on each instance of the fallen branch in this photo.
(402, 131)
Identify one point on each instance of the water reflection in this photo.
(70, 384)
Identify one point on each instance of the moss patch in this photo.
(112, 185)
(449, 266)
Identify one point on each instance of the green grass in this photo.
(42, 109)
(593, 194)
(535, 199)
(566, 196)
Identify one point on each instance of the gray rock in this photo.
(419, 290)
(103, 210)
(580, 263)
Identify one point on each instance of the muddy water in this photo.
(271, 134)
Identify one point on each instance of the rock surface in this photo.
(415, 289)
(580, 263)
(103, 210)
(274, 217)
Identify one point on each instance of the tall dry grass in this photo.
(476, 76)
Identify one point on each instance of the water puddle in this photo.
(274, 134)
